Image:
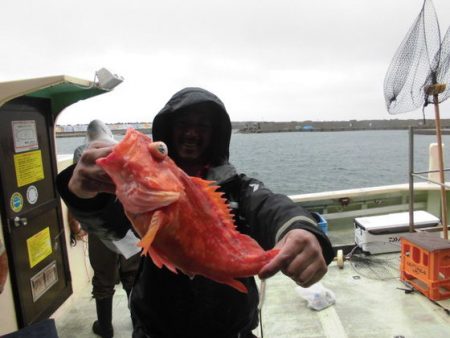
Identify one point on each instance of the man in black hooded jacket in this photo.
(197, 129)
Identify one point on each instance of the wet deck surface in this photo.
(370, 302)
(76, 318)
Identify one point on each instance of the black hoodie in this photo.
(164, 304)
(186, 99)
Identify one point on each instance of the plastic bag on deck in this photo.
(317, 296)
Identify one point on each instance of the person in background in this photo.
(76, 231)
(3, 266)
(110, 265)
(196, 127)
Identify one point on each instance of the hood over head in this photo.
(186, 99)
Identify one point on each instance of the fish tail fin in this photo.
(254, 250)
(272, 253)
(266, 257)
(254, 263)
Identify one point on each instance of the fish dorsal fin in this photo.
(217, 200)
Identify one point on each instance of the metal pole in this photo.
(411, 179)
(441, 167)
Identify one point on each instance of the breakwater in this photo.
(351, 125)
(306, 126)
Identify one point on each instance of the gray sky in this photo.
(268, 60)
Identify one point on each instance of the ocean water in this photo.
(298, 163)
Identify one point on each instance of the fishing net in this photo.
(420, 61)
(418, 75)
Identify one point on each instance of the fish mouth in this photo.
(145, 201)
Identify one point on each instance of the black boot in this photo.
(103, 326)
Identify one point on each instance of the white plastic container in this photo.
(381, 234)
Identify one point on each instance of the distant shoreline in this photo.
(252, 127)
(327, 126)
(419, 132)
(148, 131)
(83, 133)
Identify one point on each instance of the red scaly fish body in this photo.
(184, 223)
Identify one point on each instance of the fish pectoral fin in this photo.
(158, 219)
(139, 221)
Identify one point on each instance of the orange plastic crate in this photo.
(425, 264)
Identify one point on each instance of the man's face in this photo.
(192, 135)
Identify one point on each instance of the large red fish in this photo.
(183, 222)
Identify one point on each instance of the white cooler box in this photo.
(381, 234)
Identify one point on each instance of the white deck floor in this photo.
(365, 307)
(78, 314)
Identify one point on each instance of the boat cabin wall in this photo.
(80, 268)
(8, 322)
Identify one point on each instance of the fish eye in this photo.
(159, 150)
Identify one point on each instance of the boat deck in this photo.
(370, 302)
(75, 318)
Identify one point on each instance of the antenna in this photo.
(107, 80)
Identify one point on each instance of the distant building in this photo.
(112, 126)
(308, 128)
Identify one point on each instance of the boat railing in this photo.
(435, 175)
